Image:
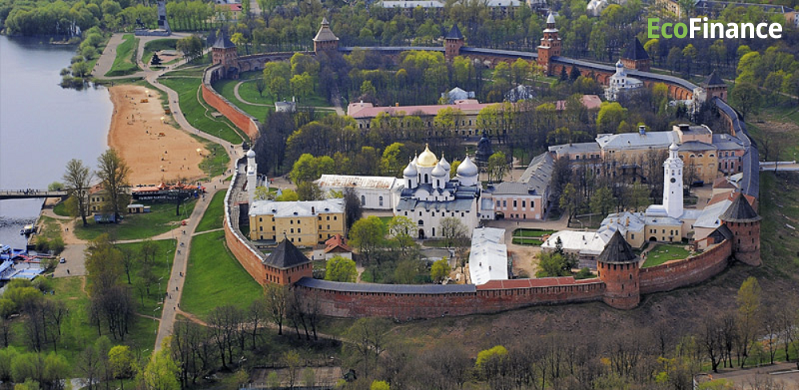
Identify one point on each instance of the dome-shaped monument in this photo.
(427, 159)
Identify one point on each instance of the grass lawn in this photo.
(214, 214)
(532, 232)
(149, 303)
(217, 161)
(527, 241)
(61, 209)
(215, 278)
(125, 61)
(195, 111)
(76, 330)
(156, 45)
(663, 253)
(161, 219)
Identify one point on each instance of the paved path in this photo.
(106, 60)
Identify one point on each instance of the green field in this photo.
(61, 209)
(125, 61)
(215, 278)
(148, 303)
(156, 45)
(663, 253)
(214, 214)
(532, 232)
(161, 219)
(527, 241)
(217, 161)
(76, 330)
(198, 113)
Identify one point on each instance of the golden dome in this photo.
(427, 159)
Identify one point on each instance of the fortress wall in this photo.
(693, 270)
(337, 303)
(242, 120)
(247, 257)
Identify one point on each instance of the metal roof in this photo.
(370, 182)
(379, 288)
(635, 51)
(750, 183)
(296, 208)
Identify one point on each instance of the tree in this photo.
(609, 117)
(390, 163)
(602, 201)
(368, 338)
(77, 181)
(747, 98)
(352, 207)
(554, 264)
(568, 200)
(122, 363)
(287, 195)
(452, 230)
(113, 173)
(308, 190)
(367, 235)
(440, 270)
(156, 60)
(401, 228)
(191, 47)
(488, 361)
(341, 269)
(260, 86)
(379, 385)
(276, 297)
(497, 166)
(748, 300)
(292, 361)
(161, 372)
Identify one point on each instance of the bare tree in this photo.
(113, 171)
(276, 297)
(368, 339)
(77, 180)
(225, 322)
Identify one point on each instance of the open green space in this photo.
(160, 219)
(215, 278)
(779, 207)
(532, 232)
(61, 209)
(198, 113)
(214, 214)
(125, 60)
(78, 332)
(665, 252)
(527, 241)
(148, 303)
(156, 45)
(217, 160)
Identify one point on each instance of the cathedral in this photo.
(431, 195)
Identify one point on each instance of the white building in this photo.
(586, 246)
(456, 94)
(488, 258)
(595, 7)
(620, 85)
(430, 195)
(375, 192)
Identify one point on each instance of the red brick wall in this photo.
(244, 122)
(683, 273)
(247, 259)
(409, 306)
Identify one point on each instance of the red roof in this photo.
(368, 110)
(337, 243)
(527, 283)
(591, 102)
(731, 197)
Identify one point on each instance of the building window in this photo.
(514, 203)
(380, 201)
(363, 200)
(421, 222)
(524, 204)
(292, 230)
(299, 230)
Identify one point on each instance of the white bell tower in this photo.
(252, 175)
(672, 183)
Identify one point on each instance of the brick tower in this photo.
(325, 40)
(635, 57)
(224, 52)
(453, 43)
(714, 87)
(550, 45)
(744, 223)
(617, 266)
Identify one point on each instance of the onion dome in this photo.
(619, 64)
(551, 18)
(439, 171)
(444, 163)
(250, 153)
(467, 168)
(410, 170)
(427, 159)
(673, 147)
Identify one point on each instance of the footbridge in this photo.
(30, 193)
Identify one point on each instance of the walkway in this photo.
(106, 61)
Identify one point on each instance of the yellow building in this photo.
(303, 223)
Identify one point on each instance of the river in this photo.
(42, 126)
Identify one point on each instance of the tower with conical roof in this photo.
(617, 267)
(223, 52)
(635, 57)
(714, 87)
(325, 40)
(453, 43)
(744, 223)
(550, 45)
(286, 264)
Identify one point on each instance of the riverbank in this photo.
(155, 151)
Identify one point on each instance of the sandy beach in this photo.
(156, 152)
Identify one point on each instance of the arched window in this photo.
(363, 200)
(421, 222)
(425, 179)
(380, 200)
